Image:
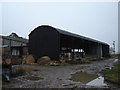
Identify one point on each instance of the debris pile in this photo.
(53, 63)
(84, 60)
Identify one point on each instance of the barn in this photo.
(46, 40)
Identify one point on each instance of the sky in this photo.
(96, 20)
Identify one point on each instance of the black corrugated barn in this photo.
(49, 41)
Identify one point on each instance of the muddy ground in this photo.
(59, 76)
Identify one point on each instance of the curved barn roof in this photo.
(79, 36)
(71, 34)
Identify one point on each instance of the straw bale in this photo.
(30, 59)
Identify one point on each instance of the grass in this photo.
(113, 75)
(83, 77)
(115, 56)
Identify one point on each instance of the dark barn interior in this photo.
(55, 43)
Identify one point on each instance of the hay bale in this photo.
(19, 60)
(16, 60)
(45, 60)
(30, 59)
(8, 61)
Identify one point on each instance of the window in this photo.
(15, 52)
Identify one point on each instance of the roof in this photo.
(71, 34)
(78, 36)
(4, 46)
(16, 39)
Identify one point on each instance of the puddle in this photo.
(116, 60)
(18, 72)
(22, 71)
(83, 77)
(30, 70)
(97, 82)
(88, 79)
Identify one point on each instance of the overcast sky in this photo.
(97, 20)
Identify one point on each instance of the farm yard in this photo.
(88, 75)
(59, 46)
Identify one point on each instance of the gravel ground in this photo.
(58, 76)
